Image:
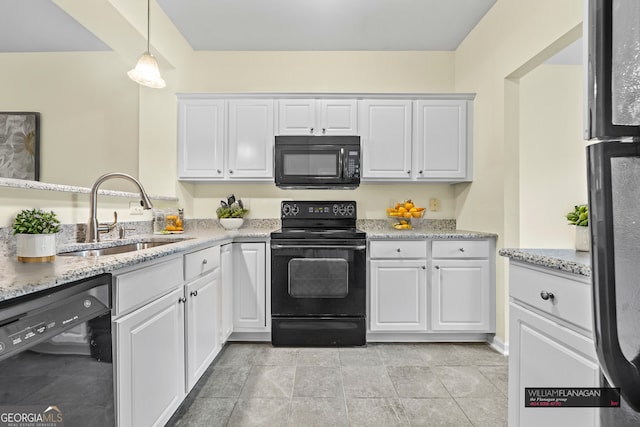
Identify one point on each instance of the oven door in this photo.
(318, 278)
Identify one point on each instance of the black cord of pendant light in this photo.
(149, 26)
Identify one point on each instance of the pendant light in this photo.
(146, 71)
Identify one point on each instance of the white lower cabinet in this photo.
(462, 292)
(167, 322)
(546, 348)
(460, 295)
(249, 288)
(150, 362)
(226, 285)
(398, 286)
(203, 325)
(452, 291)
(398, 295)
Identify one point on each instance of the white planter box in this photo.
(36, 247)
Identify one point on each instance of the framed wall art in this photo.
(20, 145)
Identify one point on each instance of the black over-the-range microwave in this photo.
(324, 162)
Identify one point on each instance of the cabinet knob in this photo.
(420, 172)
(324, 131)
(437, 267)
(546, 295)
(194, 293)
(230, 171)
(219, 171)
(310, 130)
(204, 261)
(398, 250)
(182, 300)
(424, 267)
(409, 172)
(461, 249)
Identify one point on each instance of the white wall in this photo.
(552, 155)
(89, 112)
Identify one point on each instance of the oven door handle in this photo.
(353, 247)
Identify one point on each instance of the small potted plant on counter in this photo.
(231, 213)
(35, 232)
(580, 218)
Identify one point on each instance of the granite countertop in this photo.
(567, 260)
(19, 279)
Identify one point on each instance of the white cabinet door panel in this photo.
(398, 295)
(385, 130)
(203, 324)
(201, 133)
(251, 139)
(545, 354)
(150, 362)
(460, 292)
(441, 139)
(249, 276)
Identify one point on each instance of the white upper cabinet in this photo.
(404, 138)
(251, 138)
(317, 117)
(385, 132)
(201, 138)
(441, 148)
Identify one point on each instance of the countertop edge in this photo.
(567, 260)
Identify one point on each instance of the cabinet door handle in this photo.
(324, 131)
(230, 171)
(437, 267)
(409, 172)
(194, 293)
(204, 261)
(420, 172)
(461, 249)
(310, 130)
(398, 250)
(424, 267)
(219, 171)
(546, 295)
(182, 300)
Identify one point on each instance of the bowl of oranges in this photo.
(402, 213)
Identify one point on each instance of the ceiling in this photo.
(42, 26)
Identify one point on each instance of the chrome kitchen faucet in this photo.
(94, 228)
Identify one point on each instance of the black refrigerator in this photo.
(612, 123)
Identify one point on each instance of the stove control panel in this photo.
(316, 210)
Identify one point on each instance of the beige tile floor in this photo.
(425, 384)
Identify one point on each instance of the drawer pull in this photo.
(546, 295)
(194, 293)
(461, 249)
(204, 261)
(182, 300)
(437, 267)
(398, 250)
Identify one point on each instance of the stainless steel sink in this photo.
(114, 250)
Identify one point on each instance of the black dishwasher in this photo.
(56, 356)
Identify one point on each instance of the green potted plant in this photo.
(579, 217)
(231, 213)
(35, 232)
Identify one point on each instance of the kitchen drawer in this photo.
(138, 287)
(460, 249)
(398, 249)
(200, 262)
(571, 300)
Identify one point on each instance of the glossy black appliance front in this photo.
(56, 354)
(317, 162)
(318, 276)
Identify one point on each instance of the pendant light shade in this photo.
(146, 71)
